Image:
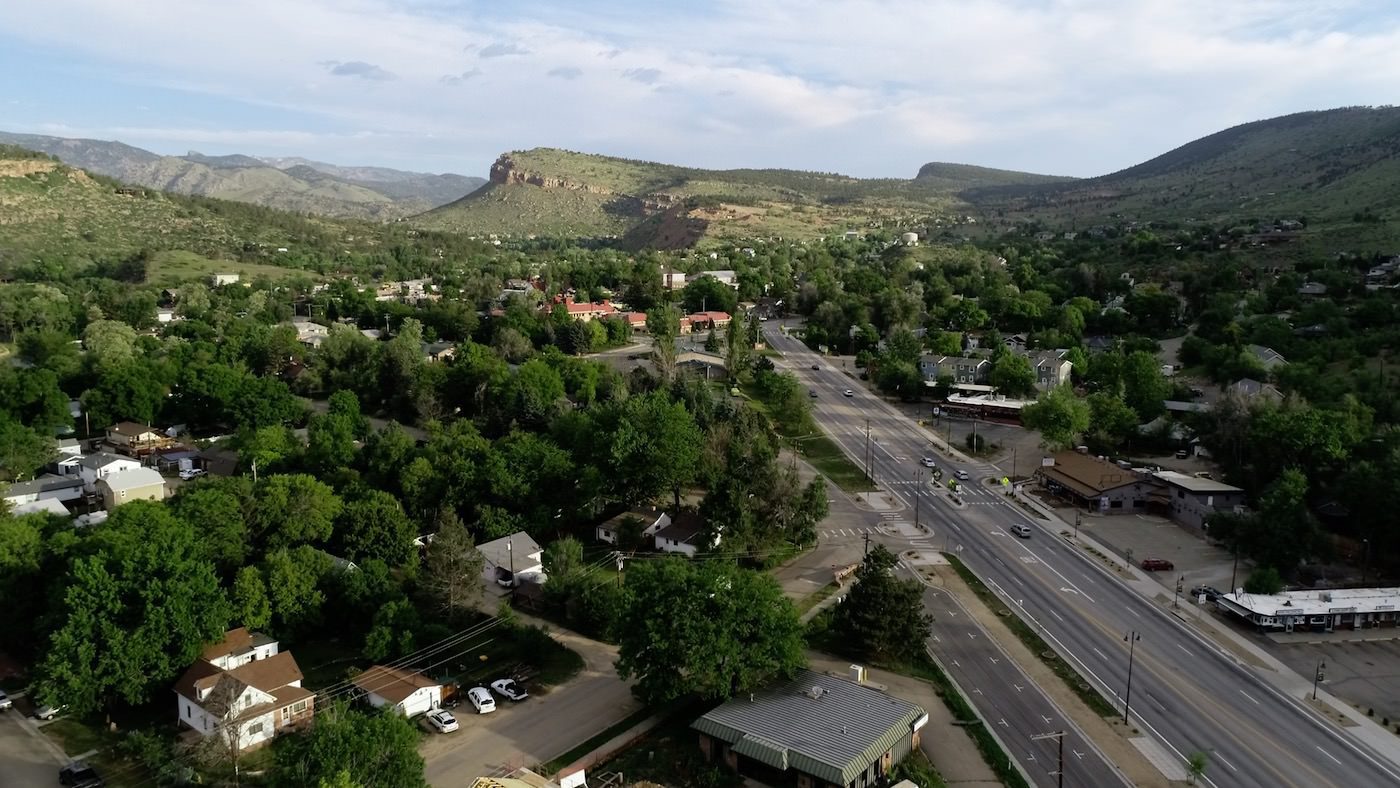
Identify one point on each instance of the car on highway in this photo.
(508, 688)
(963, 475)
(1021, 530)
(816, 366)
(191, 473)
(927, 462)
(442, 720)
(49, 712)
(812, 393)
(79, 775)
(5, 702)
(848, 393)
(1157, 565)
(482, 700)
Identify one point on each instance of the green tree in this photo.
(215, 508)
(452, 571)
(1013, 375)
(349, 746)
(705, 628)
(293, 579)
(292, 509)
(712, 342)
(706, 293)
(563, 558)
(393, 631)
(22, 451)
(1196, 765)
(654, 446)
(1144, 388)
(109, 343)
(1111, 417)
(372, 525)
(1059, 416)
(331, 436)
(1264, 580)
(134, 613)
(883, 616)
(251, 607)
(535, 392)
(664, 325)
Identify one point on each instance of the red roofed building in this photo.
(704, 320)
(587, 311)
(637, 320)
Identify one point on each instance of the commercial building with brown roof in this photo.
(1096, 483)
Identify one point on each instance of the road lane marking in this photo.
(1187, 650)
(1100, 653)
(1328, 754)
(1216, 754)
(1251, 697)
(1057, 616)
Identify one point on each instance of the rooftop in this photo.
(498, 551)
(824, 726)
(1195, 484)
(683, 529)
(1086, 474)
(132, 478)
(391, 684)
(102, 459)
(1316, 603)
(41, 484)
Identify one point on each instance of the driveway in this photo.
(27, 758)
(536, 730)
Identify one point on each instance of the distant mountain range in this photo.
(290, 184)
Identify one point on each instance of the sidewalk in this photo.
(1241, 649)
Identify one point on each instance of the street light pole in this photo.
(1177, 597)
(1317, 675)
(1060, 735)
(1132, 638)
(917, 477)
(1235, 544)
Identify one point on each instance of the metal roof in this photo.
(828, 727)
(1195, 484)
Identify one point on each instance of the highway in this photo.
(1187, 695)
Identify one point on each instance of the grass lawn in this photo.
(635, 718)
(817, 449)
(172, 267)
(815, 598)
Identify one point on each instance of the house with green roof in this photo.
(816, 731)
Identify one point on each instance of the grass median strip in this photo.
(1034, 642)
(598, 740)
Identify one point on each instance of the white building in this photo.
(516, 554)
(137, 484)
(406, 692)
(101, 465)
(726, 278)
(224, 279)
(673, 280)
(685, 535)
(243, 689)
(1325, 611)
(47, 487)
(652, 520)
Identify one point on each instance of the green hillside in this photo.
(551, 191)
(1329, 167)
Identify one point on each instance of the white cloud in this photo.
(871, 86)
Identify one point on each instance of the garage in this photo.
(406, 692)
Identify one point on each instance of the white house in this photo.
(652, 520)
(42, 506)
(43, 488)
(165, 315)
(685, 535)
(309, 333)
(726, 278)
(406, 692)
(101, 465)
(137, 484)
(517, 553)
(224, 279)
(243, 689)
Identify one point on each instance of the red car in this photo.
(1156, 564)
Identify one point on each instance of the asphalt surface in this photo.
(1186, 694)
(26, 757)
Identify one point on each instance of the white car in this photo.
(507, 688)
(848, 393)
(927, 462)
(482, 700)
(191, 473)
(1023, 531)
(5, 702)
(443, 720)
(48, 712)
(964, 475)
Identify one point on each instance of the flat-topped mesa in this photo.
(505, 171)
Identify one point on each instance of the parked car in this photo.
(1021, 530)
(49, 712)
(442, 720)
(482, 700)
(5, 702)
(79, 775)
(1157, 565)
(504, 577)
(927, 462)
(816, 366)
(812, 393)
(191, 473)
(1209, 592)
(507, 688)
(963, 475)
(848, 393)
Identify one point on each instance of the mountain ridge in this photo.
(347, 192)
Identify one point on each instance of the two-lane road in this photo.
(1187, 694)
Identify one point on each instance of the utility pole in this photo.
(917, 477)
(869, 472)
(1177, 597)
(1317, 675)
(1235, 548)
(1013, 463)
(1077, 514)
(867, 543)
(1060, 773)
(1132, 638)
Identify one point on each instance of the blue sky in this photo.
(864, 87)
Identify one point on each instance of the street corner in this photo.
(878, 501)
(924, 558)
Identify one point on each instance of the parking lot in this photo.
(1365, 673)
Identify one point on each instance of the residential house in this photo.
(439, 351)
(407, 692)
(42, 506)
(815, 731)
(134, 439)
(1096, 483)
(1249, 389)
(1016, 343)
(243, 689)
(95, 467)
(1312, 289)
(165, 316)
(686, 535)
(637, 321)
(701, 321)
(1192, 500)
(1052, 369)
(218, 280)
(589, 310)
(726, 278)
(961, 369)
(309, 333)
(516, 556)
(137, 484)
(1099, 343)
(673, 280)
(409, 291)
(47, 487)
(1271, 358)
(651, 520)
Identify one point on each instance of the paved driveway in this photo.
(27, 758)
(535, 730)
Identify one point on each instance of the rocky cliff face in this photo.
(505, 171)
